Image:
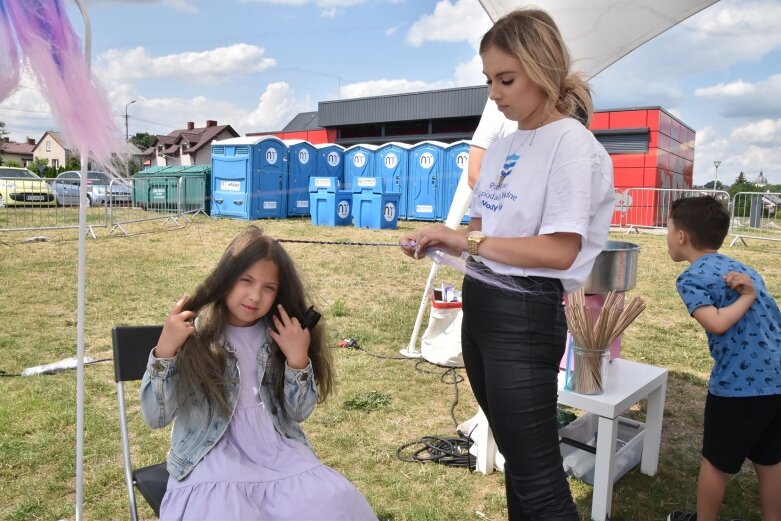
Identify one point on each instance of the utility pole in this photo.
(127, 137)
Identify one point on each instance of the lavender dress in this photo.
(255, 473)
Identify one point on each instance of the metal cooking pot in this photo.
(614, 269)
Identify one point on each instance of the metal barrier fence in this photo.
(37, 204)
(160, 198)
(27, 205)
(755, 216)
(649, 207)
(53, 204)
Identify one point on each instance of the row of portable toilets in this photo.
(367, 186)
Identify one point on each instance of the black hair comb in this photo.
(311, 318)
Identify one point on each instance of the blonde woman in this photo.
(541, 211)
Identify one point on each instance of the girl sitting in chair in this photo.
(238, 371)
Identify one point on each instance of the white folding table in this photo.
(628, 383)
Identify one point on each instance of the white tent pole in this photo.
(458, 207)
(81, 291)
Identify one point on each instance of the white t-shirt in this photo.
(558, 178)
(493, 126)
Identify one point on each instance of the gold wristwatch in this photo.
(473, 240)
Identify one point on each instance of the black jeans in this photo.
(512, 344)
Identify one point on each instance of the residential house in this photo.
(188, 146)
(52, 146)
(21, 153)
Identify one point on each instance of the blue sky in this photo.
(254, 64)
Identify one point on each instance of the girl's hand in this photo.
(177, 329)
(740, 282)
(291, 338)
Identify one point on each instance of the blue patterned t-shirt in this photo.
(748, 355)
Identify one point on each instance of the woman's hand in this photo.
(291, 338)
(438, 237)
(177, 329)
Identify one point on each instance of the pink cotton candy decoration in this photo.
(49, 42)
(9, 58)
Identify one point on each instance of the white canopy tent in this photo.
(598, 33)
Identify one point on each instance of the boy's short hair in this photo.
(704, 218)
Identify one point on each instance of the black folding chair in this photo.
(131, 352)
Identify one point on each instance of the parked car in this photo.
(21, 187)
(66, 188)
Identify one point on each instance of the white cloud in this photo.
(733, 89)
(463, 21)
(385, 87)
(741, 99)
(186, 6)
(766, 132)
(318, 3)
(276, 107)
(714, 39)
(470, 73)
(390, 31)
(207, 67)
(748, 148)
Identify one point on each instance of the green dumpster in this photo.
(173, 188)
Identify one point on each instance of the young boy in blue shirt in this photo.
(743, 325)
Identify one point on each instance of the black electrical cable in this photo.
(452, 451)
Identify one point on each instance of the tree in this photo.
(142, 140)
(741, 178)
(3, 134)
(73, 163)
(39, 166)
(709, 185)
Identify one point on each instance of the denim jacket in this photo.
(196, 430)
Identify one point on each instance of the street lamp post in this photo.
(716, 180)
(126, 106)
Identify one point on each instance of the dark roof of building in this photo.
(19, 149)
(433, 104)
(303, 121)
(194, 138)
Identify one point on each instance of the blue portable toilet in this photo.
(426, 168)
(456, 159)
(330, 161)
(373, 207)
(232, 166)
(302, 164)
(358, 162)
(392, 164)
(268, 196)
(329, 206)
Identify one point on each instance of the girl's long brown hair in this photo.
(532, 36)
(202, 359)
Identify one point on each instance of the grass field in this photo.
(370, 293)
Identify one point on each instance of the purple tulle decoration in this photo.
(9, 59)
(47, 40)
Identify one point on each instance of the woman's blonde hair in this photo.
(532, 36)
(202, 359)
